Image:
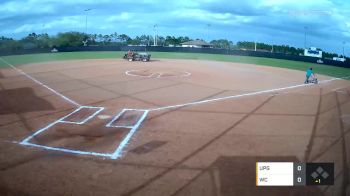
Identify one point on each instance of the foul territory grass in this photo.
(297, 65)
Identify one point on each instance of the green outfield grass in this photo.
(319, 69)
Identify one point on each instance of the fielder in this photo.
(310, 73)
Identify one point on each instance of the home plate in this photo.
(102, 117)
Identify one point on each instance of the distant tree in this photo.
(330, 55)
(124, 38)
(92, 39)
(144, 39)
(170, 40)
(100, 38)
(9, 44)
(161, 41)
(106, 39)
(3, 38)
(183, 39)
(222, 43)
(69, 39)
(43, 40)
(135, 41)
(114, 37)
(34, 40)
(246, 45)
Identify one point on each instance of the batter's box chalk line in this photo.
(82, 121)
(119, 151)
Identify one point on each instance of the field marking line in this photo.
(86, 119)
(187, 74)
(65, 150)
(129, 74)
(119, 151)
(242, 95)
(154, 75)
(25, 141)
(109, 124)
(115, 118)
(340, 89)
(40, 83)
(335, 89)
(60, 120)
(115, 155)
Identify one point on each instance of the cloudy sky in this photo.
(327, 22)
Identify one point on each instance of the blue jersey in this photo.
(309, 72)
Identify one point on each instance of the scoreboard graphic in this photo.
(294, 174)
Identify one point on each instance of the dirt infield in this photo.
(143, 129)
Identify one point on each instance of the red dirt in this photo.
(21, 100)
(205, 149)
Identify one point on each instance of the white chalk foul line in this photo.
(40, 83)
(241, 95)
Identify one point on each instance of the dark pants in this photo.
(307, 79)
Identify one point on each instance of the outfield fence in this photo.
(184, 50)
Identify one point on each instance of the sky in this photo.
(326, 22)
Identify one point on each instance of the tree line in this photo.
(67, 39)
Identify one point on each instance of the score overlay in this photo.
(294, 174)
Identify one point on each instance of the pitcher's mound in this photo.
(157, 73)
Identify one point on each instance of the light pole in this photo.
(208, 26)
(155, 34)
(343, 49)
(305, 29)
(86, 15)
